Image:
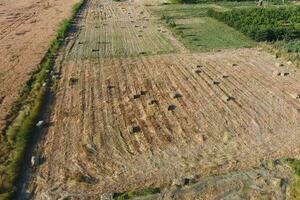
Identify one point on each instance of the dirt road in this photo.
(26, 28)
(126, 118)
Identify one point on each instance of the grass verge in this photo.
(134, 194)
(25, 113)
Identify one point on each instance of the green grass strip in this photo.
(134, 194)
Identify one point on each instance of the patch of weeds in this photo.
(295, 164)
(284, 49)
(195, 129)
(139, 193)
(294, 186)
(169, 21)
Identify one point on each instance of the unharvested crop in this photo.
(198, 32)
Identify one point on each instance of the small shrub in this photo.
(169, 21)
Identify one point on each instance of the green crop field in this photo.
(191, 26)
(204, 34)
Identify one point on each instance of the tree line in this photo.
(263, 24)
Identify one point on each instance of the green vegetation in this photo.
(279, 26)
(295, 164)
(204, 34)
(290, 50)
(263, 24)
(217, 1)
(190, 24)
(290, 46)
(178, 11)
(140, 193)
(26, 111)
(294, 186)
(169, 21)
(203, 1)
(249, 4)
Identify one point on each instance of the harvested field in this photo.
(272, 178)
(131, 113)
(94, 147)
(26, 28)
(117, 29)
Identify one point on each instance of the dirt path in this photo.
(123, 120)
(26, 28)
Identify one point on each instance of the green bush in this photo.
(263, 24)
(169, 20)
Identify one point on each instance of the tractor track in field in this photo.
(128, 115)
